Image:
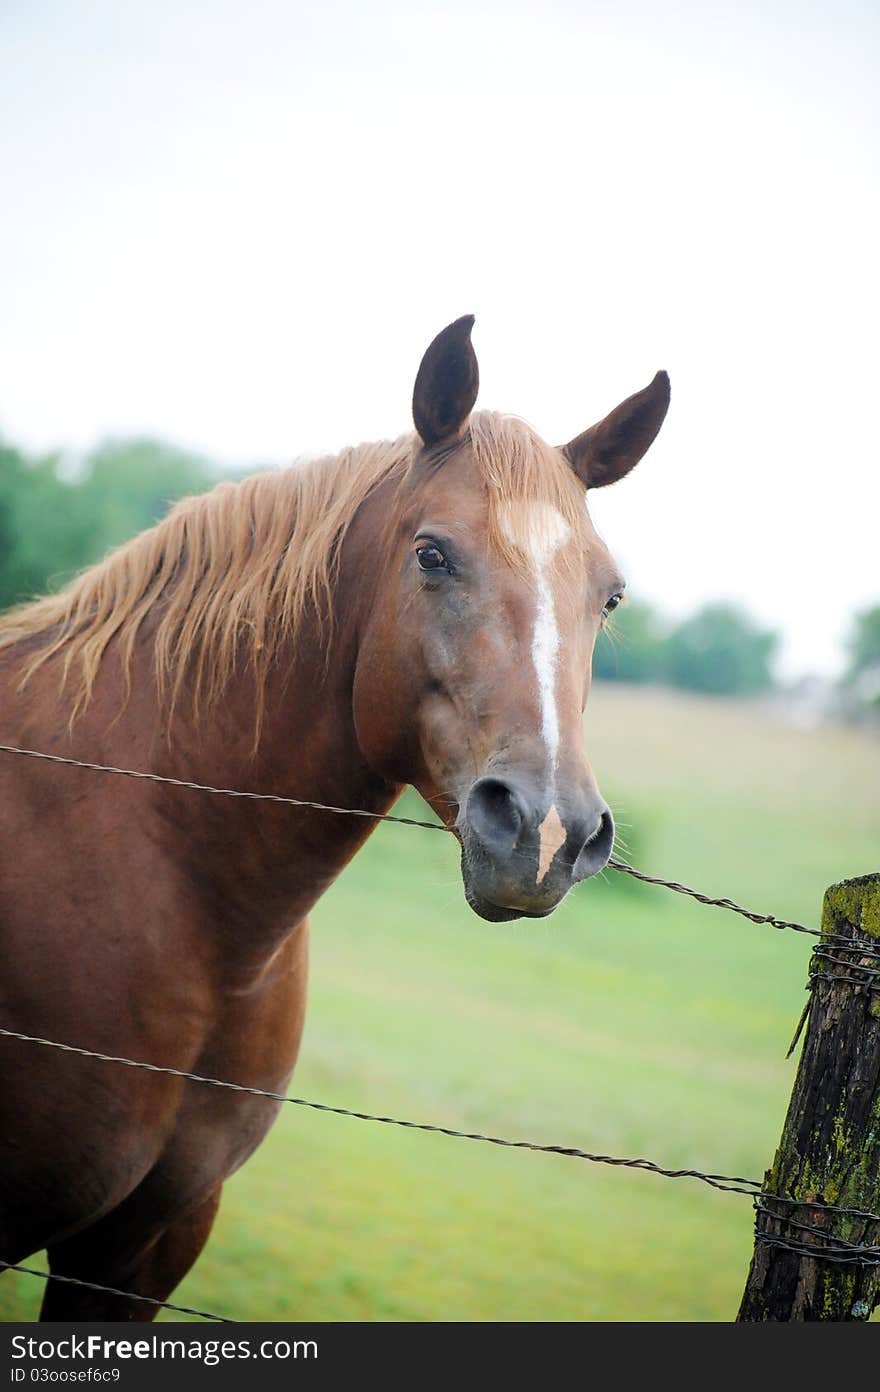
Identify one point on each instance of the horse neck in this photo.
(262, 863)
(267, 856)
(307, 746)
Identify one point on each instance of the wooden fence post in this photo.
(830, 1147)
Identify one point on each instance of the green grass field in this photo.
(632, 1022)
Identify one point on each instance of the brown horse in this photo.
(417, 612)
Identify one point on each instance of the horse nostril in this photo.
(496, 814)
(597, 849)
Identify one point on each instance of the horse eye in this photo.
(430, 557)
(612, 603)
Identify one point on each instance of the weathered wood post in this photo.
(811, 1263)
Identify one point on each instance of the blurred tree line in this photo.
(722, 651)
(861, 680)
(54, 519)
(718, 650)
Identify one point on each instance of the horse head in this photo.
(475, 660)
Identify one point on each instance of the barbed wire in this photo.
(834, 1249)
(831, 1240)
(112, 1290)
(818, 1206)
(621, 866)
(807, 1249)
(865, 982)
(830, 950)
(735, 1184)
(714, 903)
(856, 960)
(220, 792)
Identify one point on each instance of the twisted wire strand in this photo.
(841, 1251)
(714, 903)
(112, 1290)
(830, 950)
(619, 865)
(806, 1249)
(866, 982)
(222, 792)
(818, 1206)
(734, 1184)
(831, 1240)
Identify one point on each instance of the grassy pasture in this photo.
(632, 1022)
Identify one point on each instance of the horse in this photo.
(416, 612)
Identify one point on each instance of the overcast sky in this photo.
(238, 226)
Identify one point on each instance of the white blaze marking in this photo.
(540, 530)
(545, 648)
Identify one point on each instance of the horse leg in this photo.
(153, 1270)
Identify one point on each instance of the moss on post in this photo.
(830, 1147)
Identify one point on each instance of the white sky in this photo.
(237, 226)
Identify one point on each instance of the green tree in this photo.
(44, 534)
(128, 485)
(51, 526)
(721, 650)
(862, 675)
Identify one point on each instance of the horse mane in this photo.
(236, 569)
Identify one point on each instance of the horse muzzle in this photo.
(521, 852)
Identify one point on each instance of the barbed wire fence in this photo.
(824, 1245)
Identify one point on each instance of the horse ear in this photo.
(446, 383)
(608, 450)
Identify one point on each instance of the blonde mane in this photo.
(236, 569)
